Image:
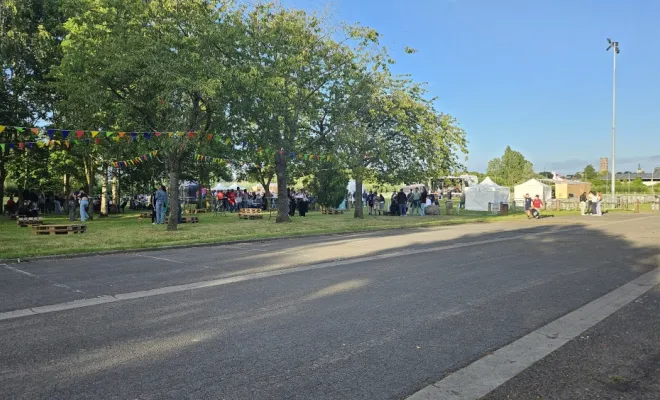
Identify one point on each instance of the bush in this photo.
(329, 185)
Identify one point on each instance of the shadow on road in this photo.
(374, 329)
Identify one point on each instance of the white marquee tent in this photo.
(225, 186)
(533, 187)
(478, 197)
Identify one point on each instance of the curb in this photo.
(216, 244)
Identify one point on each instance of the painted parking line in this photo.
(485, 375)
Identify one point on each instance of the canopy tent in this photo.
(488, 182)
(272, 188)
(477, 198)
(533, 187)
(225, 186)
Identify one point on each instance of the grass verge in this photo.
(124, 232)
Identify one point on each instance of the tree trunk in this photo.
(67, 190)
(266, 185)
(114, 190)
(89, 175)
(173, 196)
(282, 198)
(104, 192)
(359, 210)
(3, 176)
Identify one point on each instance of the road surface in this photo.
(357, 316)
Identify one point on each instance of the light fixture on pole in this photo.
(615, 50)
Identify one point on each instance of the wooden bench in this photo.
(143, 216)
(24, 222)
(189, 220)
(331, 211)
(250, 213)
(58, 229)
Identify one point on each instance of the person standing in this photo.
(152, 206)
(599, 201)
(415, 198)
(594, 203)
(381, 204)
(422, 200)
(528, 206)
(72, 203)
(402, 200)
(302, 203)
(583, 203)
(84, 202)
(370, 202)
(161, 199)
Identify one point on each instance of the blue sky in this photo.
(531, 74)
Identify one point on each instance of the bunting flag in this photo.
(63, 136)
(134, 161)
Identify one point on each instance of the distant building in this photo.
(648, 178)
(604, 167)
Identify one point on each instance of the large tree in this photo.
(161, 66)
(293, 62)
(30, 34)
(510, 169)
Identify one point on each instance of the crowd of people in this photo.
(35, 204)
(298, 200)
(591, 203)
(413, 202)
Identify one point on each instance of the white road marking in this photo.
(20, 271)
(31, 275)
(267, 274)
(485, 375)
(159, 258)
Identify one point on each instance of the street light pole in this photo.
(615, 50)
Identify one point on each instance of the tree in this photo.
(589, 173)
(293, 62)
(162, 67)
(511, 168)
(30, 33)
(329, 184)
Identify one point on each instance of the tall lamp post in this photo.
(615, 50)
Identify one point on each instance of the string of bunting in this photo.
(67, 137)
(215, 160)
(134, 161)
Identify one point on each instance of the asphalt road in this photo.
(374, 316)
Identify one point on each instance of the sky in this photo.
(530, 74)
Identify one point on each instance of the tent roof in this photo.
(535, 182)
(488, 182)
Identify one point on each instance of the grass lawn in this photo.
(124, 232)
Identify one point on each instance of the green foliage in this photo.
(589, 174)
(280, 80)
(329, 184)
(511, 169)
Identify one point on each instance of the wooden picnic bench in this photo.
(143, 216)
(250, 213)
(24, 222)
(331, 211)
(58, 229)
(189, 220)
